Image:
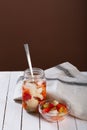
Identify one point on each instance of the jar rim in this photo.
(36, 71)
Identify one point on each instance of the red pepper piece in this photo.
(26, 96)
(61, 108)
(58, 106)
(46, 110)
(51, 105)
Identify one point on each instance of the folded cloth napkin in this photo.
(65, 82)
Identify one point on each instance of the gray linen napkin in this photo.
(66, 82)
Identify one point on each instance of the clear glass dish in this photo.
(53, 110)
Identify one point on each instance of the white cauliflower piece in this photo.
(36, 92)
(28, 84)
(32, 104)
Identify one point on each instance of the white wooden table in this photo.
(13, 117)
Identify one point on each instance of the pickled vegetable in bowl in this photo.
(53, 110)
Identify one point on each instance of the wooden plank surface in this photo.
(48, 125)
(4, 84)
(13, 117)
(30, 121)
(13, 109)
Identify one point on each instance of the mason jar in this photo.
(33, 89)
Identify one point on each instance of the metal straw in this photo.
(28, 58)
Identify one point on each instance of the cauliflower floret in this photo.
(36, 92)
(29, 84)
(32, 104)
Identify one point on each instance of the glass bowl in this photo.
(53, 110)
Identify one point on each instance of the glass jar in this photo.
(33, 89)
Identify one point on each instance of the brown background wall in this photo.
(56, 29)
